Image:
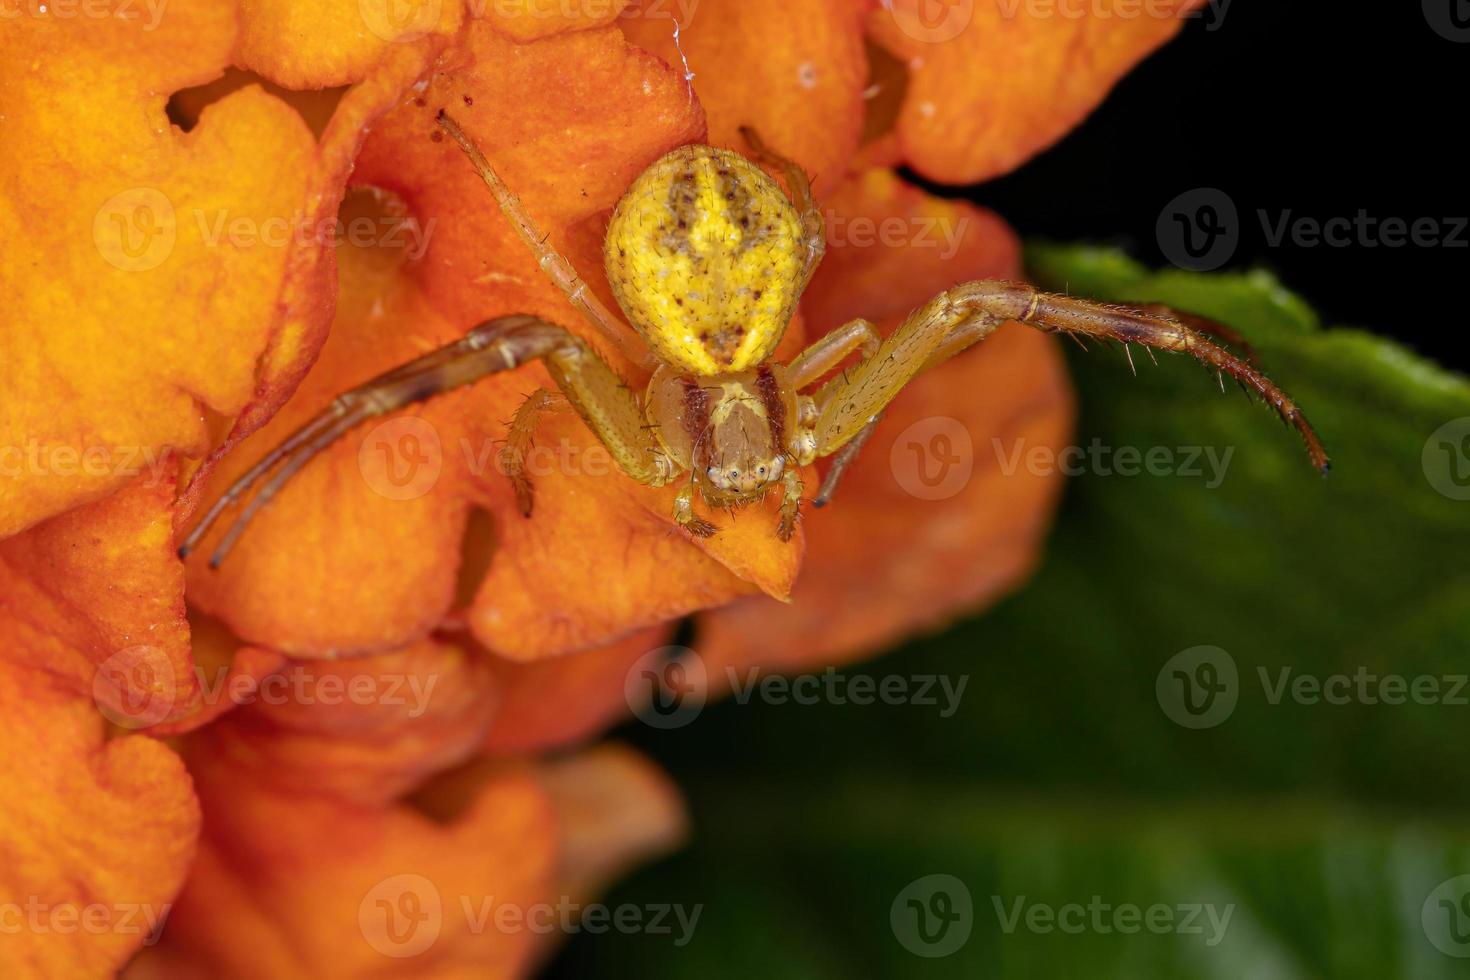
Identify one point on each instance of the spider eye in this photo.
(734, 474)
(760, 471)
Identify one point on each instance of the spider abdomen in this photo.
(704, 255)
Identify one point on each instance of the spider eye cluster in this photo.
(704, 254)
(736, 479)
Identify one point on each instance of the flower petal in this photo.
(362, 729)
(528, 20)
(165, 309)
(302, 885)
(95, 598)
(882, 560)
(469, 878)
(556, 701)
(993, 82)
(97, 834)
(333, 42)
(307, 294)
(795, 72)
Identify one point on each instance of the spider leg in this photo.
(842, 461)
(790, 504)
(821, 357)
(591, 388)
(825, 353)
(518, 441)
(1209, 328)
(800, 187)
(556, 266)
(685, 517)
(970, 312)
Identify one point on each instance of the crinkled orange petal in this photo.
(228, 679)
(993, 82)
(560, 700)
(466, 879)
(348, 560)
(295, 884)
(307, 294)
(96, 836)
(95, 598)
(342, 561)
(882, 562)
(600, 557)
(794, 71)
(527, 20)
(143, 280)
(333, 42)
(362, 729)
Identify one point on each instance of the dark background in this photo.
(1323, 109)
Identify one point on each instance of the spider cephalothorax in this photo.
(708, 257)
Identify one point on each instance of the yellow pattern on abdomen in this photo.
(704, 256)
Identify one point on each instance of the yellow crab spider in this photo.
(707, 258)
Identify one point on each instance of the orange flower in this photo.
(319, 756)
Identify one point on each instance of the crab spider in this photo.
(707, 257)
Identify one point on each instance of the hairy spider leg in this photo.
(591, 387)
(968, 313)
(518, 440)
(556, 266)
(814, 363)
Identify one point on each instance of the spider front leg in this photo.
(963, 316)
(555, 265)
(685, 517)
(591, 388)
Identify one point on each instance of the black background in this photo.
(1323, 109)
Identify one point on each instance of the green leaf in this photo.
(1062, 774)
